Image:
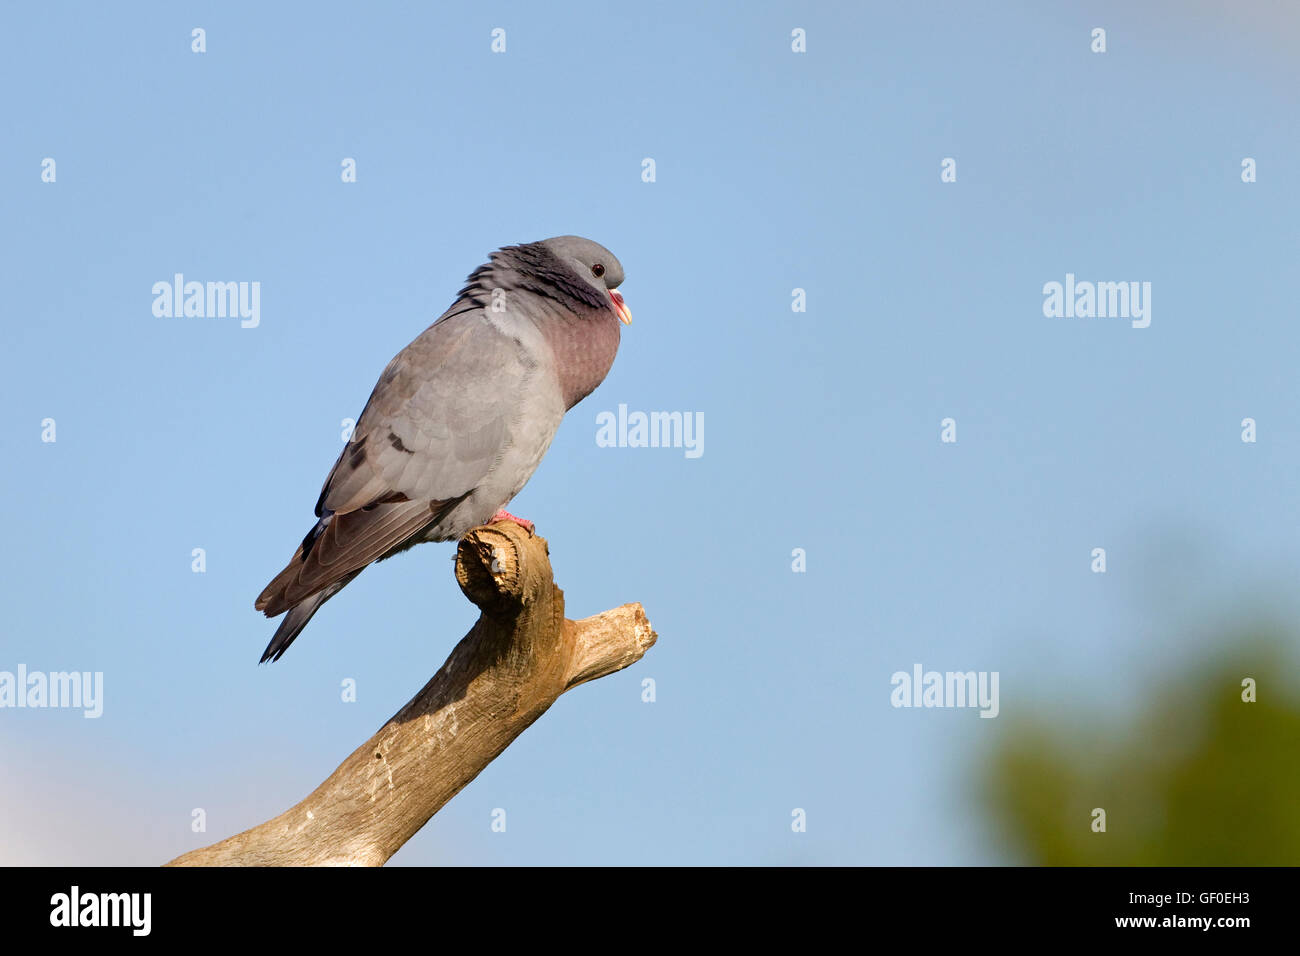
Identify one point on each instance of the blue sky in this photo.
(774, 171)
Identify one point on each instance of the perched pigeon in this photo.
(460, 419)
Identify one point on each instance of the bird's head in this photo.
(596, 265)
(570, 270)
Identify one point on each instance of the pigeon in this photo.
(460, 418)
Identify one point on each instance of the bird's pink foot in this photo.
(504, 515)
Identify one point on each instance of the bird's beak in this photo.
(624, 313)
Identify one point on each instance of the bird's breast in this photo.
(584, 353)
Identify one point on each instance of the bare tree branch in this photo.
(514, 663)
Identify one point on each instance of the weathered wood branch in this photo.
(514, 663)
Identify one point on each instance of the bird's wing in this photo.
(340, 546)
(434, 427)
(436, 419)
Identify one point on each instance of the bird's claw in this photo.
(524, 523)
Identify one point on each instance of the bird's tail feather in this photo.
(296, 618)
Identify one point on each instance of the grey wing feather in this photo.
(436, 421)
(341, 546)
(433, 429)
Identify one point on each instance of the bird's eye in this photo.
(598, 270)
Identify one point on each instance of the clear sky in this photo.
(774, 171)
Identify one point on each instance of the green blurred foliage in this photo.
(1197, 777)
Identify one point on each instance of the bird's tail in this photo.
(291, 626)
(272, 600)
(296, 619)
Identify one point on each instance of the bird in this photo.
(460, 419)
